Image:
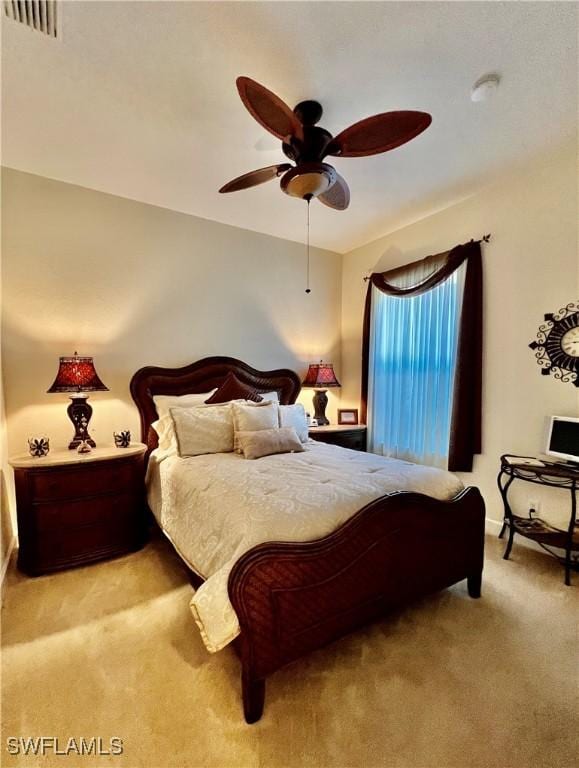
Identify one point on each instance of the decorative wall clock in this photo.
(557, 344)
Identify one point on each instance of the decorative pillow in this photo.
(233, 389)
(164, 426)
(252, 417)
(203, 430)
(294, 416)
(164, 402)
(266, 442)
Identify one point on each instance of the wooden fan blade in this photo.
(337, 196)
(253, 178)
(268, 109)
(379, 133)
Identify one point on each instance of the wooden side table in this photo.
(76, 508)
(533, 470)
(346, 435)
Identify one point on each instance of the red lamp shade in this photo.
(321, 376)
(77, 374)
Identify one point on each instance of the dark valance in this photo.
(465, 432)
(437, 267)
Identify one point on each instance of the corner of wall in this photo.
(7, 505)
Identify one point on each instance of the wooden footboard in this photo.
(292, 598)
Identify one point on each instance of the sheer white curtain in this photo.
(412, 361)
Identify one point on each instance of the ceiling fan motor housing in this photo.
(308, 112)
(308, 180)
(307, 144)
(311, 148)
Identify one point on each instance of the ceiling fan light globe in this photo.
(308, 180)
(308, 184)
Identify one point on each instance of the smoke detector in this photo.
(485, 87)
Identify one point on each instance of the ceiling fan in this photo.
(307, 144)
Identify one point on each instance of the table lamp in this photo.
(320, 376)
(77, 374)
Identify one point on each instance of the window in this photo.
(422, 360)
(413, 349)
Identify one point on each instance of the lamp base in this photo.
(80, 412)
(320, 400)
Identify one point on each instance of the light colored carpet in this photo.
(112, 650)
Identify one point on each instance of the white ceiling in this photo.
(138, 99)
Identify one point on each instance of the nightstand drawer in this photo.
(77, 483)
(354, 439)
(75, 514)
(84, 545)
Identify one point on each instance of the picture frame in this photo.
(348, 416)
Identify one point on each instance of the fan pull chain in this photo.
(308, 250)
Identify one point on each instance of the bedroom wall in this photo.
(134, 285)
(6, 484)
(531, 266)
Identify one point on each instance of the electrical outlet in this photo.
(534, 506)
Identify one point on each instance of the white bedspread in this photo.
(215, 508)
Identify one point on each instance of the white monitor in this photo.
(563, 438)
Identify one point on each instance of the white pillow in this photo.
(270, 396)
(163, 403)
(166, 440)
(266, 442)
(294, 416)
(203, 430)
(251, 417)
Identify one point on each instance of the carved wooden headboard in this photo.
(203, 376)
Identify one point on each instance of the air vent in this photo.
(36, 14)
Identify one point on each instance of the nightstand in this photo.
(78, 508)
(346, 435)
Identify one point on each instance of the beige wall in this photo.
(7, 526)
(531, 266)
(133, 285)
(6, 480)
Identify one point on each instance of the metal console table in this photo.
(546, 535)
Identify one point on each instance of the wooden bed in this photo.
(291, 598)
